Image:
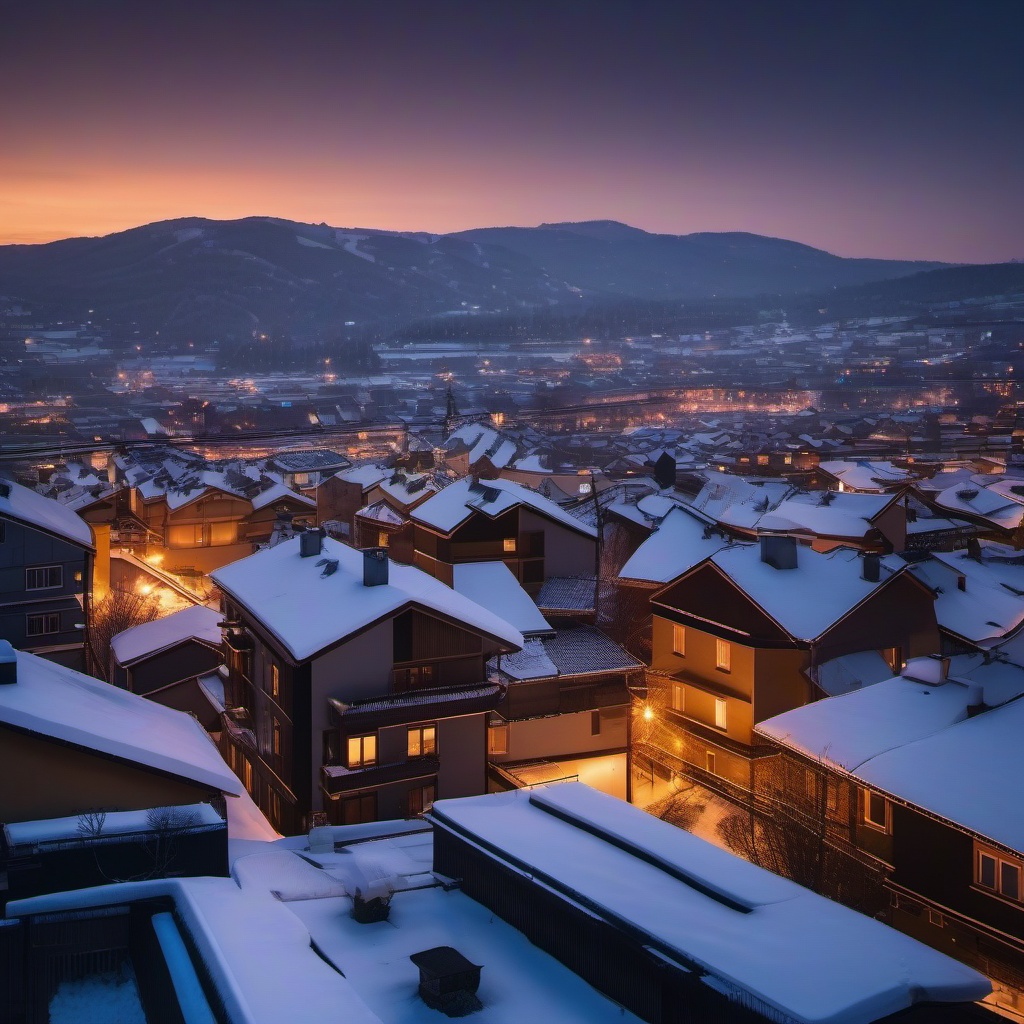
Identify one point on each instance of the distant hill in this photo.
(225, 279)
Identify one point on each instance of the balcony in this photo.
(414, 705)
(336, 778)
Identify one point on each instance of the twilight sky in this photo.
(892, 128)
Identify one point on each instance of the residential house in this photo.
(357, 687)
(918, 775)
(747, 634)
(46, 557)
(499, 520)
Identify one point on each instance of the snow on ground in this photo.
(112, 998)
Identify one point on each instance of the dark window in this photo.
(332, 746)
(876, 811)
(416, 677)
(533, 571)
(421, 800)
(44, 577)
(998, 872)
(42, 624)
(354, 810)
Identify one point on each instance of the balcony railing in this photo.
(336, 778)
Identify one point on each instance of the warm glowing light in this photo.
(648, 713)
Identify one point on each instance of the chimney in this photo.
(8, 664)
(375, 567)
(778, 552)
(871, 567)
(311, 543)
(975, 699)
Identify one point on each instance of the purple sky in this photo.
(868, 129)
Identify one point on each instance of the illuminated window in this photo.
(723, 655)
(362, 750)
(877, 812)
(44, 577)
(223, 533)
(998, 873)
(497, 739)
(710, 762)
(721, 713)
(762, 460)
(185, 535)
(678, 639)
(678, 697)
(275, 681)
(275, 738)
(509, 545)
(422, 740)
(247, 773)
(382, 538)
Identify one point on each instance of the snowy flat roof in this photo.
(197, 622)
(451, 507)
(750, 931)
(24, 505)
(308, 611)
(58, 702)
(493, 585)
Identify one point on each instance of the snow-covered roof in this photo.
(451, 507)
(279, 492)
(493, 585)
(678, 544)
(851, 672)
(809, 599)
(576, 650)
(366, 476)
(308, 611)
(26, 506)
(749, 932)
(58, 702)
(197, 622)
(866, 475)
(992, 498)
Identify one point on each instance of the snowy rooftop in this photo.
(746, 930)
(866, 475)
(678, 544)
(278, 492)
(198, 622)
(999, 501)
(26, 506)
(455, 504)
(58, 702)
(809, 599)
(493, 585)
(573, 651)
(308, 611)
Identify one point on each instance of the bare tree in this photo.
(118, 611)
(160, 845)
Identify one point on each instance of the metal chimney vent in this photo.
(375, 567)
(871, 567)
(311, 543)
(778, 552)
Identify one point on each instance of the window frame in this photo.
(679, 639)
(364, 759)
(721, 713)
(47, 570)
(421, 730)
(867, 795)
(723, 655)
(495, 730)
(48, 618)
(418, 801)
(1001, 864)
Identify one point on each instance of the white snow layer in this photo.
(492, 585)
(197, 622)
(26, 506)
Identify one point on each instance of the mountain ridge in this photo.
(197, 276)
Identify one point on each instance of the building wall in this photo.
(23, 548)
(566, 552)
(571, 735)
(56, 780)
(183, 661)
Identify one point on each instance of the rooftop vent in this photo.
(778, 552)
(8, 664)
(311, 543)
(375, 567)
(871, 567)
(448, 981)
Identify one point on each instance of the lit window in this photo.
(998, 873)
(509, 545)
(723, 655)
(275, 738)
(710, 762)
(678, 697)
(877, 813)
(678, 639)
(223, 533)
(382, 538)
(362, 750)
(721, 713)
(762, 460)
(44, 577)
(497, 739)
(422, 740)
(275, 681)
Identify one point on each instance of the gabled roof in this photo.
(308, 611)
(149, 638)
(805, 602)
(25, 506)
(450, 508)
(61, 704)
(493, 585)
